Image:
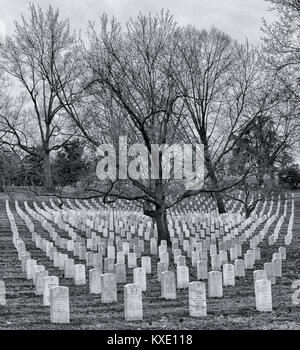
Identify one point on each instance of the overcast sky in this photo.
(239, 18)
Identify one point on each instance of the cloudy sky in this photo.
(239, 18)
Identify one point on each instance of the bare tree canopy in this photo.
(34, 56)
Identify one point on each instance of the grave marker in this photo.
(215, 286)
(39, 281)
(49, 281)
(197, 299)
(139, 278)
(108, 288)
(168, 285)
(182, 277)
(201, 270)
(79, 275)
(239, 268)
(120, 269)
(161, 267)
(146, 264)
(263, 295)
(2, 293)
(95, 281)
(228, 275)
(59, 305)
(270, 270)
(133, 305)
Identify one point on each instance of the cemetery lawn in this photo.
(235, 311)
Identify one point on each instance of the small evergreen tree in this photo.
(69, 164)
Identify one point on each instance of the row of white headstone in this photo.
(182, 280)
(195, 260)
(57, 297)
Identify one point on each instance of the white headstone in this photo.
(223, 257)
(120, 257)
(30, 263)
(259, 275)
(39, 281)
(161, 267)
(228, 275)
(282, 252)
(125, 248)
(59, 305)
(168, 285)
(248, 258)
(153, 246)
(263, 295)
(270, 270)
(56, 259)
(133, 304)
(233, 253)
(180, 260)
(195, 258)
(2, 293)
(24, 257)
(95, 281)
(277, 267)
(164, 257)
(197, 299)
(120, 269)
(257, 253)
(139, 277)
(109, 265)
(215, 284)
(201, 270)
(108, 288)
(146, 264)
(215, 262)
(79, 275)
(49, 281)
(98, 261)
(36, 269)
(203, 254)
(182, 277)
(131, 261)
(239, 268)
(69, 270)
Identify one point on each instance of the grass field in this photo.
(236, 310)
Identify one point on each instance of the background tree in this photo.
(30, 169)
(290, 176)
(221, 84)
(281, 48)
(281, 43)
(40, 48)
(69, 165)
(9, 166)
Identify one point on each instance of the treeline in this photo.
(68, 166)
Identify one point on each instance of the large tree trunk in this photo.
(211, 173)
(159, 215)
(2, 184)
(220, 203)
(47, 173)
(162, 225)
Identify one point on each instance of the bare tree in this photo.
(264, 145)
(32, 57)
(281, 55)
(281, 44)
(132, 88)
(221, 86)
(130, 74)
